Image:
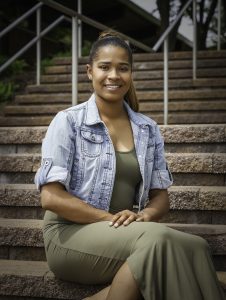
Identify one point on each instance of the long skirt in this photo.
(167, 264)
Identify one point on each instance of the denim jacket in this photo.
(77, 151)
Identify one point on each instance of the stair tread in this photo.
(189, 133)
(191, 106)
(30, 278)
(157, 56)
(173, 118)
(181, 197)
(28, 233)
(178, 162)
(139, 85)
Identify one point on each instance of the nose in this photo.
(113, 74)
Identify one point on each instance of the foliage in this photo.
(7, 90)
(86, 47)
(46, 62)
(9, 85)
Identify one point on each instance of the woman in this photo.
(100, 159)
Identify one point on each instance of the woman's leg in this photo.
(123, 287)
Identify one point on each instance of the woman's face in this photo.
(110, 73)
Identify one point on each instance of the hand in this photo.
(124, 217)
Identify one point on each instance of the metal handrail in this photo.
(164, 39)
(20, 19)
(171, 26)
(76, 18)
(31, 43)
(91, 22)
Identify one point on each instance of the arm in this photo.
(157, 206)
(55, 198)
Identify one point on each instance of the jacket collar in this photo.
(92, 116)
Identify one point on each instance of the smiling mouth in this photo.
(112, 87)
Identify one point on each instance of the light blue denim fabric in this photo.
(77, 151)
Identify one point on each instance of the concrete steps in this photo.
(179, 118)
(33, 279)
(156, 74)
(156, 57)
(142, 85)
(188, 204)
(48, 109)
(190, 101)
(27, 233)
(196, 155)
(212, 163)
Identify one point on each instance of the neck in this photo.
(110, 110)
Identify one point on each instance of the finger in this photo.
(114, 219)
(120, 220)
(129, 220)
(140, 219)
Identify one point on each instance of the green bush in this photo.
(8, 81)
(7, 90)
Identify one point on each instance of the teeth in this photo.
(112, 87)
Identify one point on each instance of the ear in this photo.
(89, 71)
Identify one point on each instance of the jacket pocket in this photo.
(91, 143)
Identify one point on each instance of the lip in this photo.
(113, 87)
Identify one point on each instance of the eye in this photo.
(104, 67)
(124, 68)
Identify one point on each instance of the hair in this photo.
(114, 39)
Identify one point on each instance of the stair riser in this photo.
(191, 198)
(145, 65)
(54, 98)
(179, 179)
(217, 117)
(38, 254)
(179, 163)
(172, 134)
(212, 55)
(33, 237)
(174, 216)
(173, 107)
(139, 85)
(140, 75)
(173, 148)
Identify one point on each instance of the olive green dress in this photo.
(167, 264)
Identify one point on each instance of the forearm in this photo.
(157, 206)
(56, 199)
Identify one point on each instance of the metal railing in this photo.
(164, 39)
(68, 15)
(76, 19)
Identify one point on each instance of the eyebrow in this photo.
(108, 63)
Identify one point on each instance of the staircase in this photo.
(195, 150)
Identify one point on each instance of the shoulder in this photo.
(147, 120)
(72, 115)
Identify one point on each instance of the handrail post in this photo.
(219, 26)
(194, 52)
(74, 66)
(166, 61)
(38, 46)
(79, 29)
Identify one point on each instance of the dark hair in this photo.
(113, 38)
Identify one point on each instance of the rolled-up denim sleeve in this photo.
(161, 175)
(57, 152)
